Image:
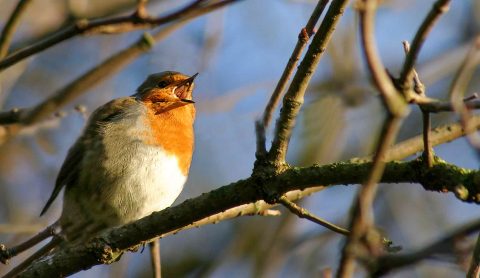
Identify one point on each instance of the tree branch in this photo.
(293, 99)
(419, 89)
(362, 220)
(107, 247)
(303, 39)
(388, 263)
(439, 135)
(474, 269)
(303, 213)
(440, 7)
(11, 25)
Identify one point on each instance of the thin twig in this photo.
(439, 135)
(474, 269)
(440, 7)
(98, 26)
(396, 107)
(7, 253)
(303, 213)
(142, 8)
(392, 100)
(436, 106)
(155, 258)
(39, 253)
(427, 143)
(293, 99)
(419, 88)
(11, 25)
(303, 39)
(388, 263)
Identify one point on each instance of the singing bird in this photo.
(132, 159)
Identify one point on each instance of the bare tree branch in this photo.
(106, 248)
(387, 263)
(396, 108)
(440, 7)
(303, 213)
(435, 106)
(303, 39)
(293, 99)
(474, 269)
(419, 88)
(12, 23)
(440, 135)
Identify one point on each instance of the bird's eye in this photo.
(162, 84)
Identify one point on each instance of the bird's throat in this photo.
(173, 131)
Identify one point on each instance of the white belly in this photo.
(151, 182)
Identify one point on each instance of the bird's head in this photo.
(167, 90)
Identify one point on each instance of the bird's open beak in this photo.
(184, 87)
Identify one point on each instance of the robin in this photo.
(132, 159)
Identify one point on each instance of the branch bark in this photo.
(107, 247)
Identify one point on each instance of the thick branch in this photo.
(105, 248)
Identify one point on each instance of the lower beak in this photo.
(187, 100)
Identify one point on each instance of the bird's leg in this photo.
(155, 256)
(8, 253)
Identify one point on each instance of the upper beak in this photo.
(187, 81)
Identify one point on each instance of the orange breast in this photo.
(173, 131)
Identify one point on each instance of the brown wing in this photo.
(69, 173)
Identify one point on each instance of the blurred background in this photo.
(240, 53)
